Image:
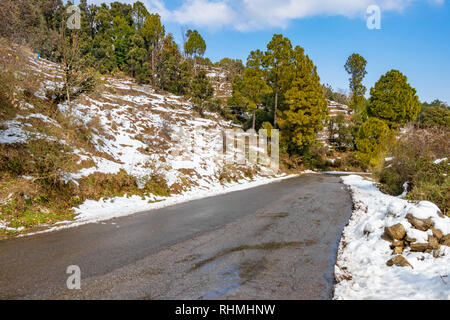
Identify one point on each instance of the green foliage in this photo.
(307, 108)
(413, 156)
(250, 89)
(152, 30)
(139, 14)
(356, 68)
(277, 62)
(371, 141)
(195, 45)
(113, 37)
(200, 91)
(234, 66)
(137, 60)
(393, 100)
(434, 116)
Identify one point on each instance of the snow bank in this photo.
(361, 271)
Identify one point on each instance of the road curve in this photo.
(276, 241)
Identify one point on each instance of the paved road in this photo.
(276, 241)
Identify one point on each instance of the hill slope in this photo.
(121, 139)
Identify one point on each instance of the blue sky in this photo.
(414, 36)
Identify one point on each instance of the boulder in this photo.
(398, 261)
(408, 239)
(437, 233)
(398, 243)
(398, 250)
(419, 224)
(395, 232)
(418, 247)
(445, 240)
(433, 243)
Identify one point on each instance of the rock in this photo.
(437, 233)
(410, 239)
(418, 247)
(419, 224)
(44, 210)
(433, 243)
(398, 250)
(398, 261)
(395, 232)
(398, 243)
(445, 240)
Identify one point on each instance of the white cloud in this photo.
(205, 13)
(247, 15)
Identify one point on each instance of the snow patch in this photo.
(361, 271)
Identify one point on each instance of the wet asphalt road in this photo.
(276, 241)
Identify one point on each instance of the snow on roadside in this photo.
(361, 271)
(92, 211)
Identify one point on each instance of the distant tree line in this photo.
(118, 37)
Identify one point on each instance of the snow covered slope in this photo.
(142, 132)
(362, 270)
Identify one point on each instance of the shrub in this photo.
(434, 117)
(371, 141)
(413, 162)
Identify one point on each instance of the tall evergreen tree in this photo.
(153, 31)
(307, 109)
(277, 60)
(139, 14)
(356, 68)
(250, 89)
(195, 45)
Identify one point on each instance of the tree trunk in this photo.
(254, 119)
(153, 66)
(69, 108)
(276, 103)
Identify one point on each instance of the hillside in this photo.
(120, 140)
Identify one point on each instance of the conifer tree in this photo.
(195, 45)
(393, 100)
(277, 60)
(252, 85)
(200, 91)
(307, 109)
(153, 31)
(356, 68)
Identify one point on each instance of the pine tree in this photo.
(276, 60)
(136, 60)
(139, 14)
(356, 68)
(195, 45)
(252, 86)
(393, 100)
(307, 109)
(153, 31)
(201, 91)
